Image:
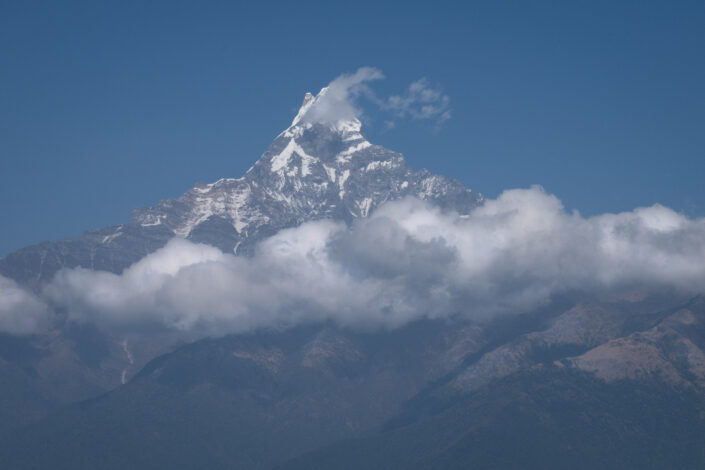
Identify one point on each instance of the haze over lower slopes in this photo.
(407, 260)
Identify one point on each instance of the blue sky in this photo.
(107, 106)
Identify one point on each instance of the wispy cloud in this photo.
(340, 100)
(420, 102)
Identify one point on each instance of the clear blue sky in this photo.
(106, 106)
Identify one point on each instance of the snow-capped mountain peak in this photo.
(316, 168)
(312, 170)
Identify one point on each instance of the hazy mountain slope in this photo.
(246, 401)
(41, 373)
(23, 398)
(538, 419)
(673, 350)
(635, 401)
(253, 401)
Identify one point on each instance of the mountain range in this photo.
(583, 381)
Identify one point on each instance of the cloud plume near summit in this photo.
(405, 262)
(339, 100)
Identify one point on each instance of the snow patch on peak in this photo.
(150, 220)
(206, 188)
(306, 162)
(432, 186)
(364, 206)
(350, 127)
(330, 171)
(231, 203)
(109, 238)
(379, 164)
(345, 155)
(341, 183)
(281, 161)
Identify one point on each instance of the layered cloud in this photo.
(407, 261)
(21, 312)
(339, 100)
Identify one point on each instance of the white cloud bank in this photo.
(339, 100)
(407, 261)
